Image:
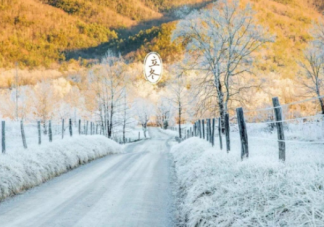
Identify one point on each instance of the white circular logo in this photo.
(153, 67)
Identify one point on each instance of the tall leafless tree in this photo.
(107, 83)
(312, 75)
(178, 97)
(144, 111)
(220, 44)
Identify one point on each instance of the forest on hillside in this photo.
(262, 73)
(276, 68)
(50, 33)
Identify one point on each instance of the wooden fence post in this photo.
(199, 129)
(50, 131)
(203, 127)
(280, 129)
(243, 133)
(139, 135)
(3, 136)
(227, 133)
(209, 131)
(79, 126)
(62, 128)
(220, 133)
(207, 135)
(39, 132)
(23, 136)
(193, 129)
(70, 126)
(213, 132)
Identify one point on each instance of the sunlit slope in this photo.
(45, 32)
(289, 21)
(34, 34)
(41, 32)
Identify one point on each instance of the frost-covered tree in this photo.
(44, 102)
(10, 108)
(107, 84)
(144, 110)
(163, 112)
(178, 97)
(220, 43)
(312, 74)
(126, 113)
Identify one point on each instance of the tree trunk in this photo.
(110, 123)
(222, 114)
(144, 129)
(180, 136)
(44, 126)
(319, 95)
(221, 106)
(124, 131)
(322, 104)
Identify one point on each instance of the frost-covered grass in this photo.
(22, 169)
(218, 189)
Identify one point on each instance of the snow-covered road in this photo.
(131, 189)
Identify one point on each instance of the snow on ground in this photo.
(218, 189)
(132, 189)
(184, 128)
(169, 132)
(132, 133)
(14, 140)
(22, 169)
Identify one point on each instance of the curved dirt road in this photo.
(126, 190)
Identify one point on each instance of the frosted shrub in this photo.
(218, 189)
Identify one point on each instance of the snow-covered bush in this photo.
(218, 189)
(22, 169)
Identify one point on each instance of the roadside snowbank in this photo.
(23, 169)
(218, 189)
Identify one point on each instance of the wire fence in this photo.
(293, 124)
(20, 134)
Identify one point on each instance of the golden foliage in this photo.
(290, 21)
